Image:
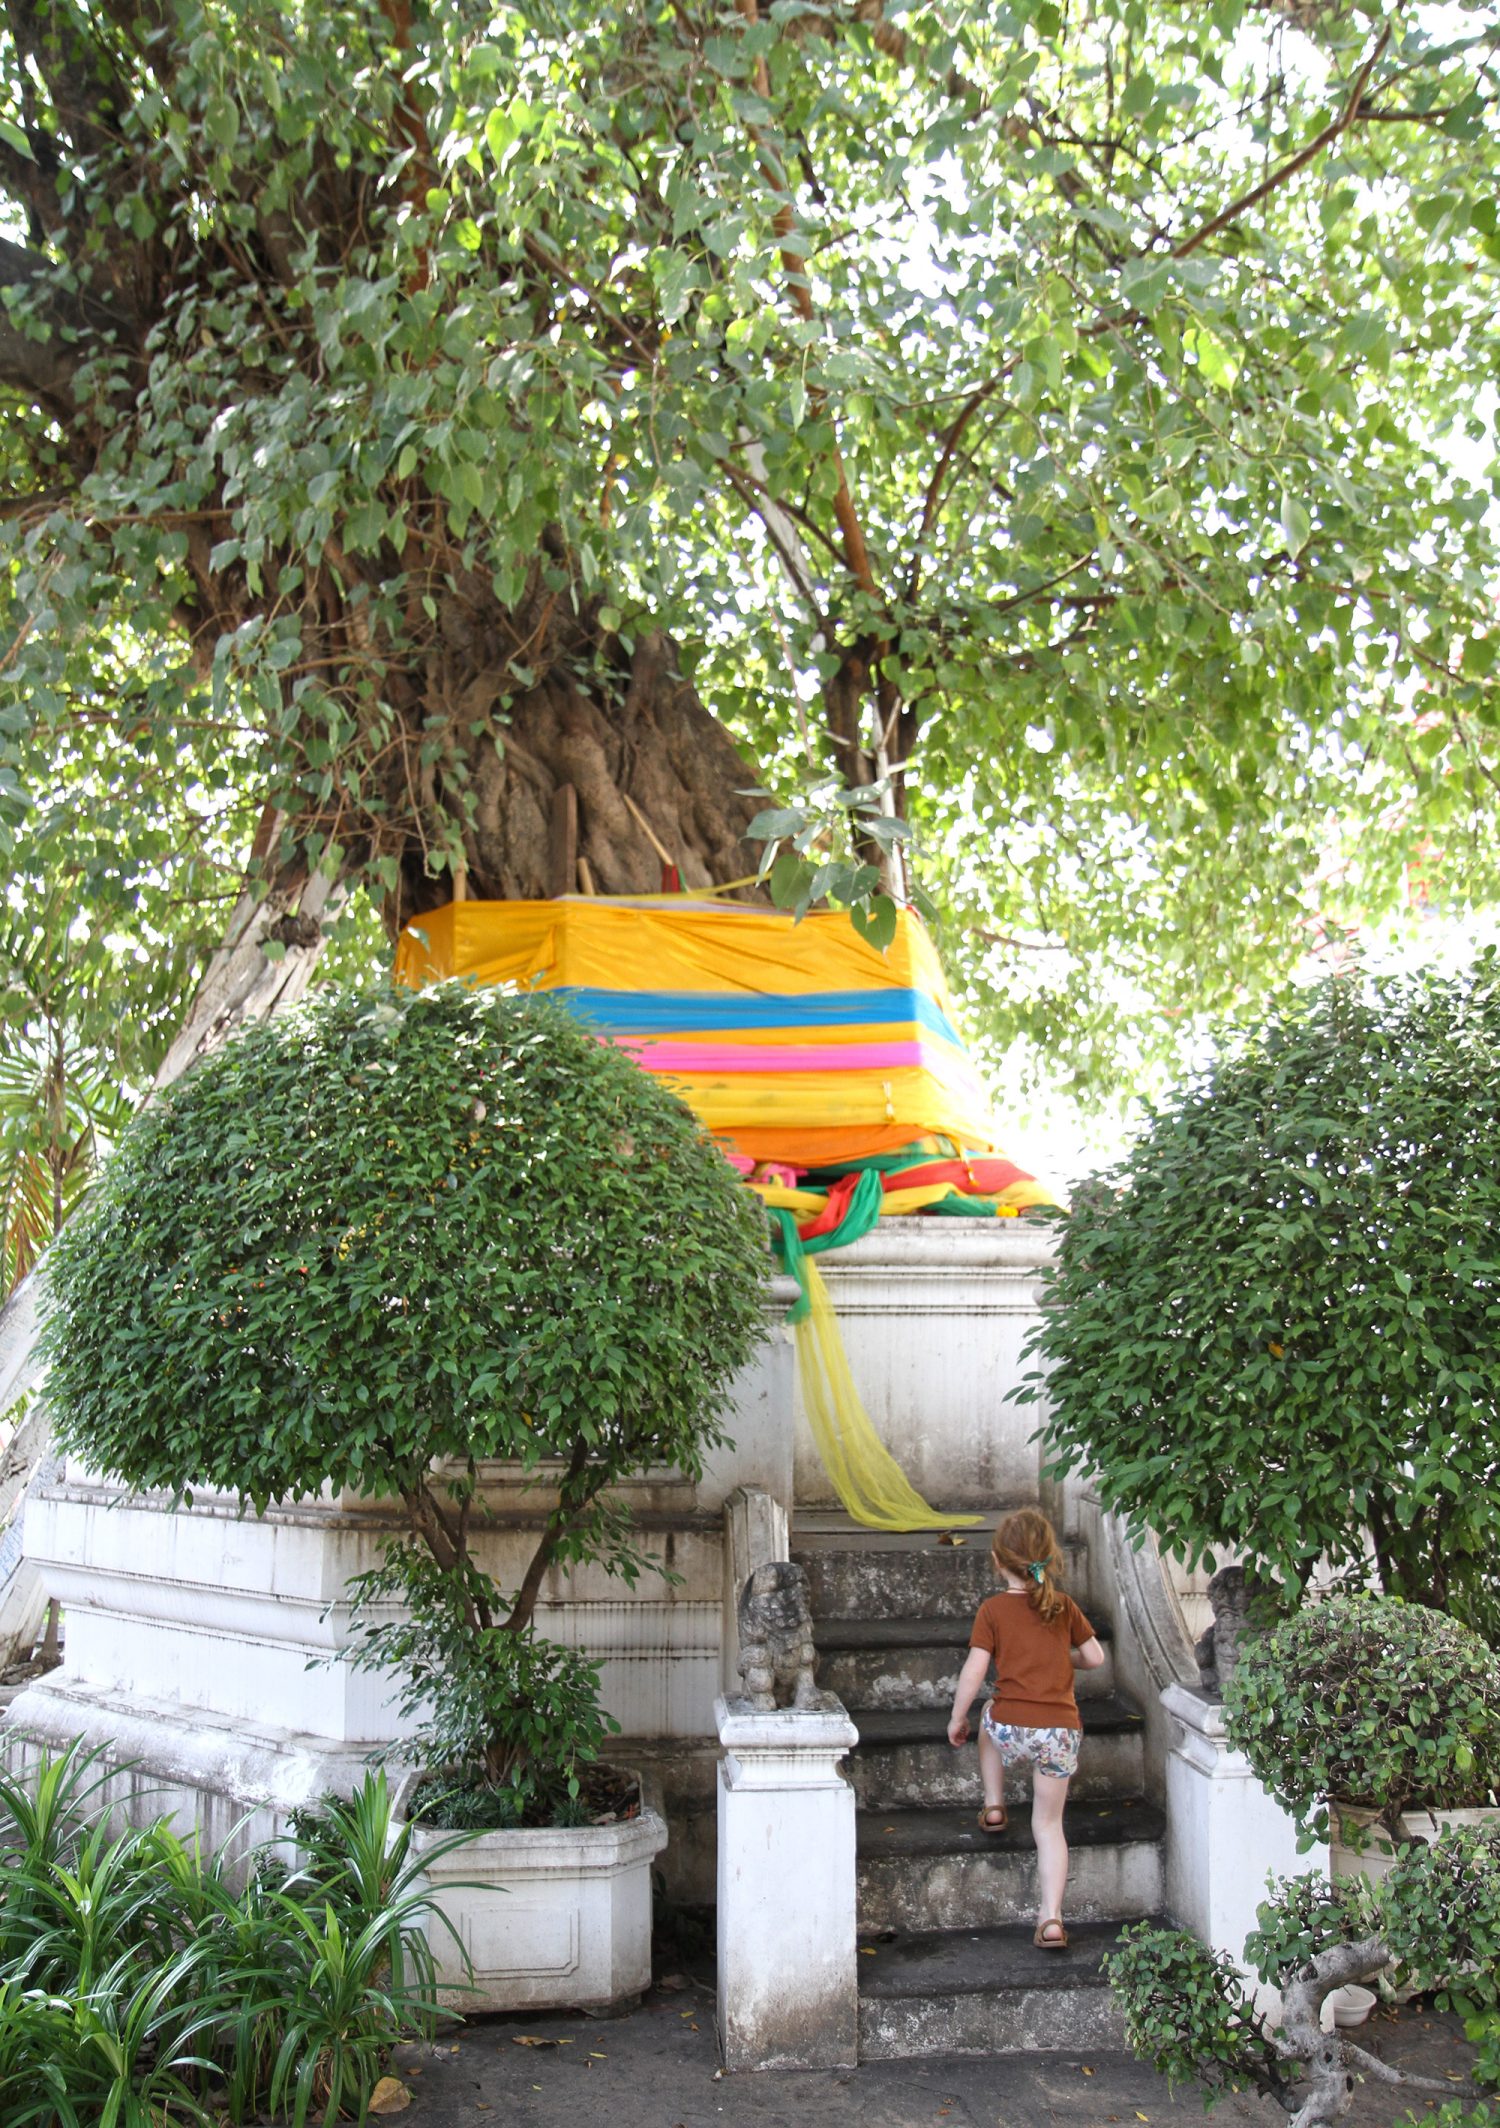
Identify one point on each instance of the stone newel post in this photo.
(1225, 1836)
(788, 1991)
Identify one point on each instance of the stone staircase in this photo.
(947, 1965)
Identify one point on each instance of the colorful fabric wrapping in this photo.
(796, 1043)
(664, 948)
(831, 1074)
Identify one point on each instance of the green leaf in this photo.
(788, 877)
(1296, 523)
(875, 924)
(221, 122)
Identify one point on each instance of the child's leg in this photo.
(991, 1771)
(1048, 1795)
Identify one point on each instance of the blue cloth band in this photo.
(709, 1012)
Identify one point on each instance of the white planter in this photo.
(1381, 1854)
(1424, 1824)
(1347, 2008)
(1374, 1859)
(1225, 1834)
(557, 1919)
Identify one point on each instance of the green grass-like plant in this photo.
(140, 1985)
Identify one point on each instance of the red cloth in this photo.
(978, 1177)
(832, 1214)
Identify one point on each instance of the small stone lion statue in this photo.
(776, 1643)
(1232, 1595)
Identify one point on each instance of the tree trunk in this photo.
(656, 780)
(243, 982)
(466, 796)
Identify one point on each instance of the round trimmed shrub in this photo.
(1273, 1333)
(1368, 1702)
(388, 1229)
(378, 1242)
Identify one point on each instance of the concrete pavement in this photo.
(657, 2068)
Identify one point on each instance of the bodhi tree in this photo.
(519, 433)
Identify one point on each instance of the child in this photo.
(1036, 1637)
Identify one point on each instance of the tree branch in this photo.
(1020, 945)
(554, 1530)
(778, 533)
(1382, 2073)
(82, 78)
(784, 222)
(933, 498)
(1282, 175)
(31, 181)
(894, 44)
(541, 255)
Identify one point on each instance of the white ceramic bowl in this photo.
(1351, 2006)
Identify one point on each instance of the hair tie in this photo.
(1038, 1571)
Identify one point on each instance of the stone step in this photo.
(914, 1662)
(987, 1991)
(934, 1869)
(909, 1576)
(903, 1759)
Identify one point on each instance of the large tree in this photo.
(1025, 415)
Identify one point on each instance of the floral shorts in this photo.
(1052, 1751)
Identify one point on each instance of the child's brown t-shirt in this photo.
(1033, 1669)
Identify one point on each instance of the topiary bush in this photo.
(1186, 2010)
(1454, 1885)
(1187, 2014)
(1368, 1702)
(1275, 1331)
(384, 1239)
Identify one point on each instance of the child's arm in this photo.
(970, 1678)
(1087, 1656)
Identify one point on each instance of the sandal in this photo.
(994, 1818)
(1058, 1941)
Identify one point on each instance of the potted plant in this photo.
(1372, 1721)
(377, 1245)
(1437, 1913)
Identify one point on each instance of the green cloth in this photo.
(861, 1213)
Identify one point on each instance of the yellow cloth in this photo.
(591, 942)
(1017, 1196)
(866, 1476)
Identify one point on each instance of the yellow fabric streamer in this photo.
(1015, 1197)
(866, 1476)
